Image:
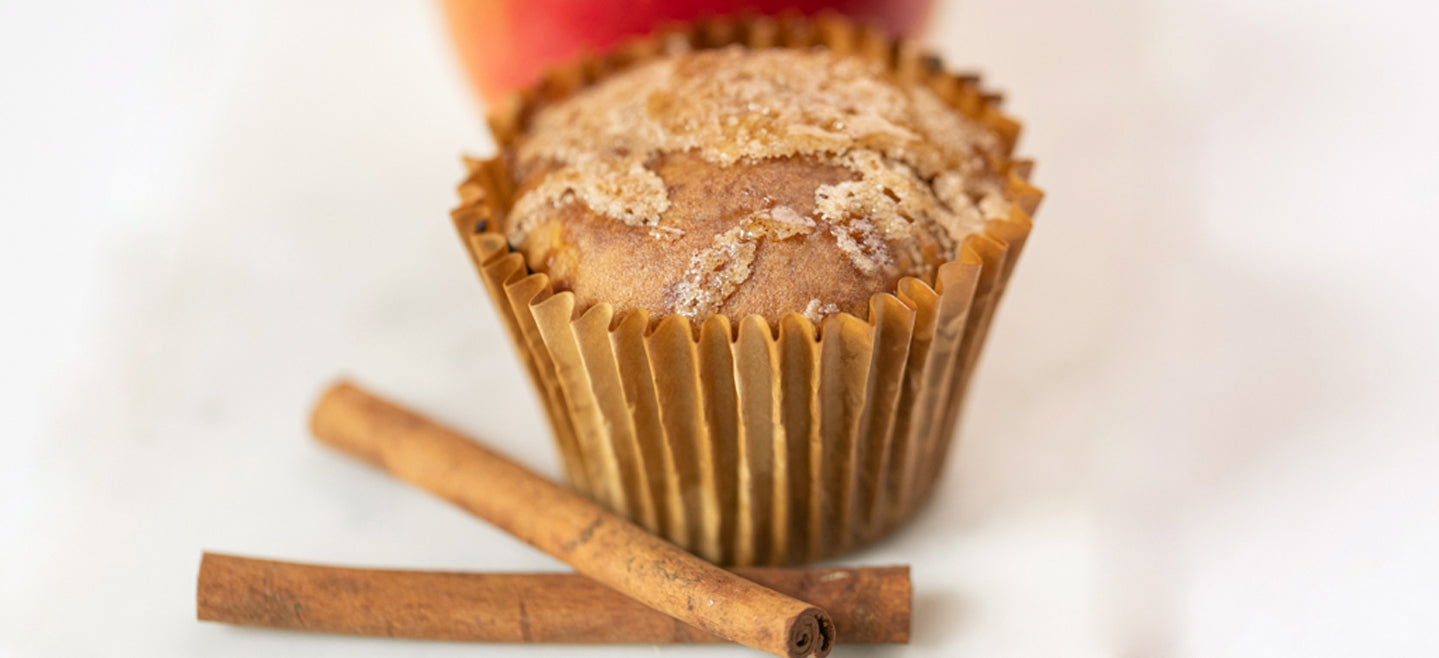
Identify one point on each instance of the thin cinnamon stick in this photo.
(574, 530)
(869, 605)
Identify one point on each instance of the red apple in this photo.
(506, 44)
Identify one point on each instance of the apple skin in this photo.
(506, 44)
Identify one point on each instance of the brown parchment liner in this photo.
(746, 443)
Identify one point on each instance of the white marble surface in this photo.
(1206, 425)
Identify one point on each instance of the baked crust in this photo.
(742, 182)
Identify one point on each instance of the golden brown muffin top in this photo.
(741, 181)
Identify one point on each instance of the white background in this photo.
(1207, 423)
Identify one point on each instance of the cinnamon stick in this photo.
(869, 605)
(574, 530)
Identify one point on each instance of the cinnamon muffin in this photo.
(750, 267)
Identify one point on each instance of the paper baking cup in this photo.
(743, 442)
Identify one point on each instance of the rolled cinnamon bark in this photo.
(574, 530)
(868, 605)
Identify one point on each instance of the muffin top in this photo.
(741, 181)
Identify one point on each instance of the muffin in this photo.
(749, 266)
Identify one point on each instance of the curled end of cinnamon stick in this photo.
(811, 634)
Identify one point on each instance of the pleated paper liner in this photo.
(743, 442)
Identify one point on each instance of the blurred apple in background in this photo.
(506, 44)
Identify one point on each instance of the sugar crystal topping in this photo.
(920, 169)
